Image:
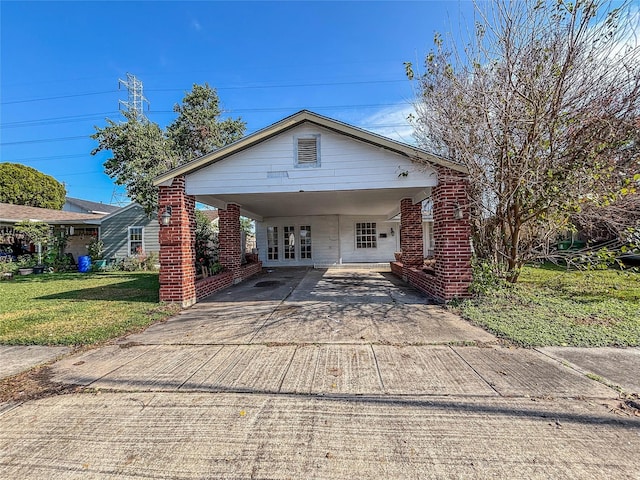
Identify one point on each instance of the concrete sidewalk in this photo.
(329, 375)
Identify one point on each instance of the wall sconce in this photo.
(458, 214)
(165, 218)
(391, 232)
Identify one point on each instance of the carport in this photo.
(320, 191)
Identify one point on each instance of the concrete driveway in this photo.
(319, 374)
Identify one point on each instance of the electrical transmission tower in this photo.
(135, 98)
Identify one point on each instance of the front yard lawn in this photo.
(77, 308)
(551, 306)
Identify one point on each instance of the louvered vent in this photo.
(307, 151)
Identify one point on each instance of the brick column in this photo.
(411, 242)
(229, 238)
(177, 245)
(452, 235)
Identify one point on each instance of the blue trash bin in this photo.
(84, 263)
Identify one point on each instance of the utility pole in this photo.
(135, 98)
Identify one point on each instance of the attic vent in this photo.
(307, 151)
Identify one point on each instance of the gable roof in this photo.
(305, 116)
(91, 207)
(10, 213)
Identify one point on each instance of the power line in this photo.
(247, 87)
(27, 100)
(78, 118)
(50, 120)
(45, 140)
(230, 87)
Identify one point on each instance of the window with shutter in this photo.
(308, 151)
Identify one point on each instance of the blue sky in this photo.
(60, 64)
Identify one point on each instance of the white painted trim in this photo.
(129, 238)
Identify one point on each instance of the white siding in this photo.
(385, 246)
(324, 238)
(345, 164)
(333, 240)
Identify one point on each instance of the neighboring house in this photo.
(85, 206)
(79, 227)
(129, 231)
(125, 231)
(322, 193)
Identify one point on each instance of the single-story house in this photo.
(321, 192)
(126, 231)
(80, 227)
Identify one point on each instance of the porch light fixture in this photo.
(391, 232)
(458, 214)
(165, 218)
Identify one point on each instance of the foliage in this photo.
(22, 185)
(216, 268)
(552, 306)
(25, 261)
(138, 263)
(96, 249)
(56, 258)
(198, 129)
(206, 242)
(78, 309)
(7, 266)
(487, 278)
(38, 233)
(142, 150)
(34, 232)
(542, 107)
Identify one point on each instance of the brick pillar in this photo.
(452, 235)
(411, 242)
(177, 245)
(229, 238)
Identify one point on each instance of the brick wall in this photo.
(177, 245)
(411, 242)
(452, 249)
(452, 235)
(209, 285)
(229, 237)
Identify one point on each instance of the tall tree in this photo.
(141, 149)
(542, 106)
(198, 129)
(22, 185)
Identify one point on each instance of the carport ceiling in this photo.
(351, 202)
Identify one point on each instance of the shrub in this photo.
(487, 278)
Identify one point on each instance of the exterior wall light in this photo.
(391, 232)
(165, 218)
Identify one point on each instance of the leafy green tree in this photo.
(198, 129)
(22, 185)
(141, 149)
(140, 152)
(542, 106)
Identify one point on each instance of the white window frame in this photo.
(372, 237)
(129, 241)
(274, 255)
(296, 140)
(306, 242)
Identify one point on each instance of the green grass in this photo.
(78, 309)
(551, 306)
